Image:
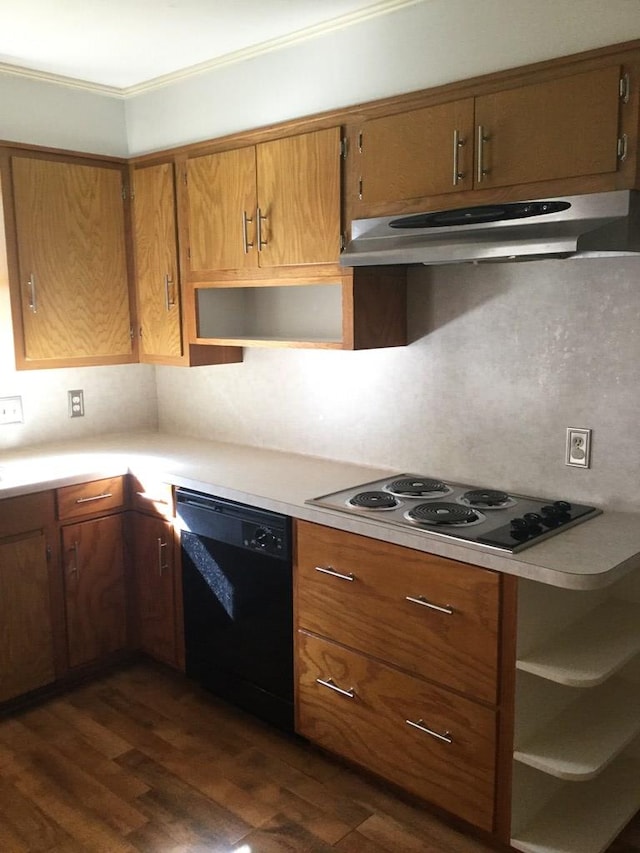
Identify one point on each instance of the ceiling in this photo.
(130, 45)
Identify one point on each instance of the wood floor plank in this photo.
(79, 751)
(211, 821)
(41, 764)
(22, 825)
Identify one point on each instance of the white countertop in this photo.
(587, 556)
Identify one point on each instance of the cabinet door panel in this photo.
(410, 155)
(158, 290)
(299, 198)
(72, 259)
(221, 188)
(94, 588)
(555, 129)
(26, 637)
(153, 567)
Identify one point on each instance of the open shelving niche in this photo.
(577, 728)
(344, 309)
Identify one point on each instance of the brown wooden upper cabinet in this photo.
(555, 129)
(70, 288)
(156, 262)
(269, 205)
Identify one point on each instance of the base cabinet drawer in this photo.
(433, 617)
(430, 741)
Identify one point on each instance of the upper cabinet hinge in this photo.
(623, 147)
(124, 192)
(344, 147)
(360, 189)
(360, 142)
(624, 89)
(184, 177)
(343, 241)
(48, 553)
(131, 333)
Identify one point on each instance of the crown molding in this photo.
(382, 8)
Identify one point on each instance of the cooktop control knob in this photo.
(534, 518)
(519, 524)
(563, 506)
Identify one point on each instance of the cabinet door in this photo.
(419, 153)
(26, 646)
(72, 261)
(221, 210)
(153, 567)
(560, 128)
(156, 256)
(299, 199)
(94, 588)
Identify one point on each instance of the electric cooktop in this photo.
(487, 517)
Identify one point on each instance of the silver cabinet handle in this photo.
(482, 138)
(329, 571)
(260, 218)
(75, 569)
(458, 142)
(94, 498)
(168, 301)
(246, 245)
(419, 724)
(162, 566)
(31, 294)
(420, 599)
(330, 683)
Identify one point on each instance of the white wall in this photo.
(502, 359)
(40, 112)
(433, 42)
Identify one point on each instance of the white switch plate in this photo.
(11, 410)
(578, 451)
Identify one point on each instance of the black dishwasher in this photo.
(238, 603)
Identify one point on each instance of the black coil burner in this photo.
(373, 500)
(444, 514)
(418, 487)
(487, 499)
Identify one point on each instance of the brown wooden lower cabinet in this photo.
(154, 576)
(26, 650)
(429, 740)
(95, 593)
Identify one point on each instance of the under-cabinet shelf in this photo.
(587, 735)
(588, 652)
(353, 309)
(584, 816)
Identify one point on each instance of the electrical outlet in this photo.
(76, 404)
(578, 452)
(11, 410)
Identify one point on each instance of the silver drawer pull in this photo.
(329, 571)
(420, 599)
(446, 737)
(94, 498)
(350, 693)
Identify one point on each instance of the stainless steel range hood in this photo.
(595, 225)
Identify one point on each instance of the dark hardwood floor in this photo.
(142, 760)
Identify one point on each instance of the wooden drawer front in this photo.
(25, 513)
(90, 498)
(150, 496)
(372, 729)
(371, 613)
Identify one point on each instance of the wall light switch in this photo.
(11, 410)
